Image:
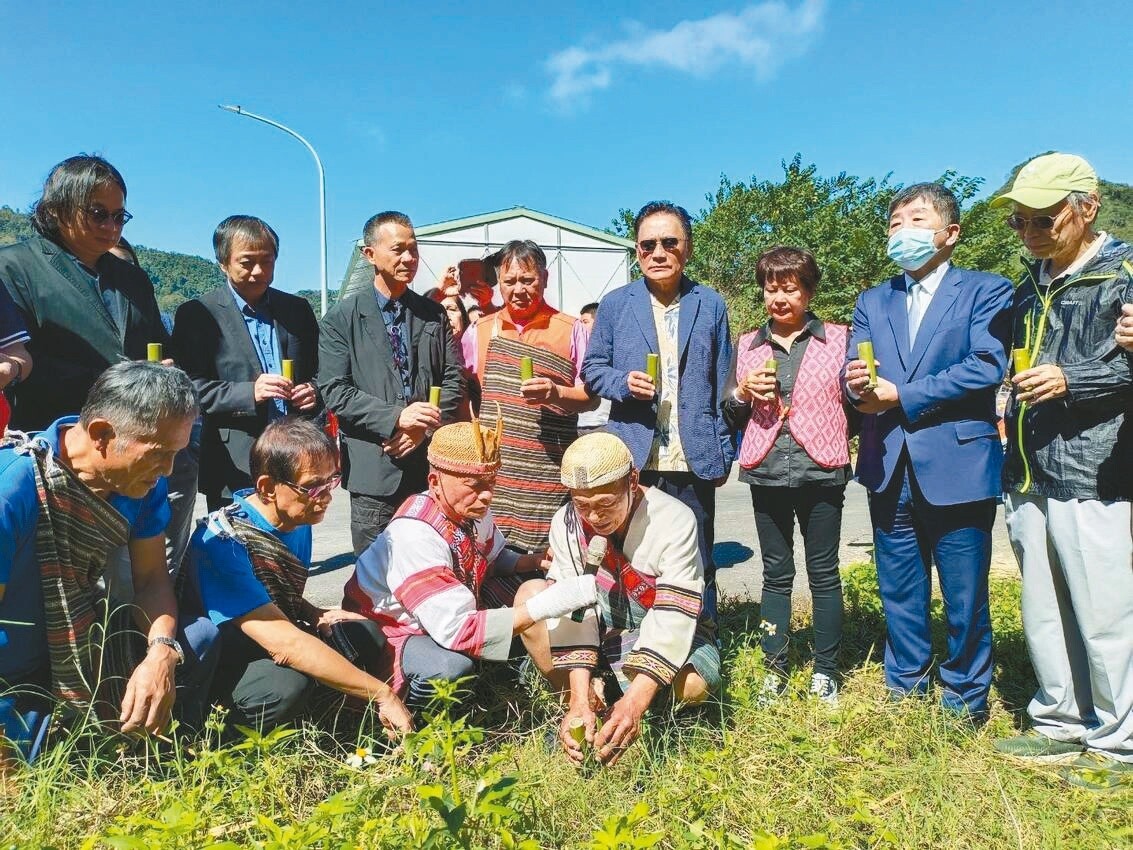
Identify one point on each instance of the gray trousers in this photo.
(1077, 562)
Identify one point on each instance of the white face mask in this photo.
(912, 247)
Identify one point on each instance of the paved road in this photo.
(737, 551)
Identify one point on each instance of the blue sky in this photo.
(575, 109)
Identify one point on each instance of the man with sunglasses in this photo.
(249, 562)
(84, 308)
(1069, 473)
(673, 423)
(648, 635)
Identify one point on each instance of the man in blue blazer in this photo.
(930, 453)
(674, 426)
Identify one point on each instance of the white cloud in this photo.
(760, 37)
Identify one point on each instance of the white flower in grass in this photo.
(768, 628)
(361, 757)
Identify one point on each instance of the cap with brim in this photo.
(1048, 179)
(594, 460)
(466, 448)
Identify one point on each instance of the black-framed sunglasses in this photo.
(100, 216)
(669, 243)
(317, 491)
(1040, 222)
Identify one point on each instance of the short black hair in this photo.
(783, 261)
(283, 446)
(370, 228)
(937, 194)
(668, 208)
(590, 309)
(522, 251)
(254, 231)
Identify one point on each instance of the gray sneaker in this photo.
(1034, 746)
(825, 688)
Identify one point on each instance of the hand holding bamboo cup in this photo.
(865, 352)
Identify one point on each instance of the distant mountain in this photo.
(176, 277)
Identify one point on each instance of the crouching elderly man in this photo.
(439, 581)
(1069, 474)
(68, 496)
(648, 632)
(250, 560)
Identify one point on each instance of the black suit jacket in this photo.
(360, 383)
(211, 343)
(74, 339)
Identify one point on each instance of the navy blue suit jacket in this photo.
(624, 332)
(946, 384)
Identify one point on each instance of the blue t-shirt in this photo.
(229, 588)
(23, 633)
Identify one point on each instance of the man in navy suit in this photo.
(674, 427)
(930, 453)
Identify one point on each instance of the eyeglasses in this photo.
(318, 490)
(669, 243)
(1040, 222)
(100, 216)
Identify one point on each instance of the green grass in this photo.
(868, 774)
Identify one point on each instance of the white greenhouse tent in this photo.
(583, 263)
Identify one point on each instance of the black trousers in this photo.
(819, 512)
(700, 496)
(369, 515)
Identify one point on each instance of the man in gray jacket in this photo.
(1069, 474)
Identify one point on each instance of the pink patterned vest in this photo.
(815, 416)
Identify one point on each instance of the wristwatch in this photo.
(171, 643)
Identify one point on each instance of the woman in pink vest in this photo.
(785, 395)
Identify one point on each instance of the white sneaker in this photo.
(825, 688)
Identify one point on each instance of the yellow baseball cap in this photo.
(1047, 179)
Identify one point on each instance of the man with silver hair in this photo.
(1069, 473)
(69, 495)
(648, 632)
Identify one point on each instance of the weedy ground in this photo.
(794, 774)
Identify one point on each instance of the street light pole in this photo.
(322, 193)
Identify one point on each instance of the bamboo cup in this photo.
(865, 352)
(435, 396)
(1020, 359)
(288, 369)
(653, 366)
(526, 369)
(771, 364)
(153, 352)
(578, 731)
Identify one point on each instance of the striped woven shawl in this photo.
(528, 489)
(275, 566)
(90, 659)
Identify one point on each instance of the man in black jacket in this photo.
(84, 308)
(379, 354)
(1069, 474)
(233, 342)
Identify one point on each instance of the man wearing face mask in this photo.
(930, 454)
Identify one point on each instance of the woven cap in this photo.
(466, 448)
(594, 460)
